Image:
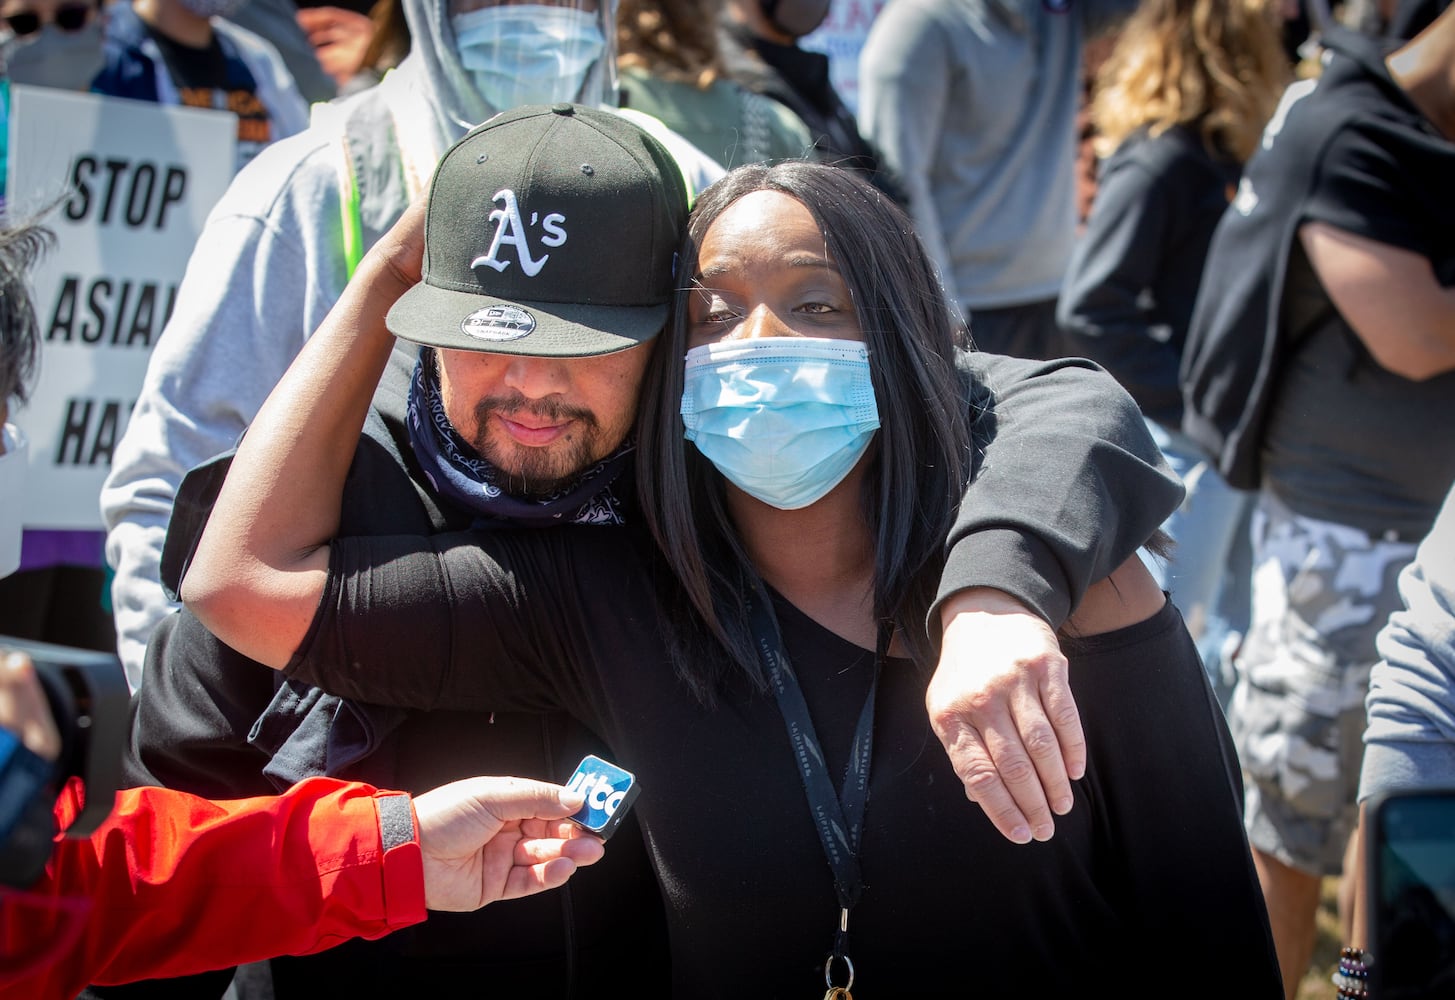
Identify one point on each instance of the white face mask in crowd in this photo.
(13, 470)
(785, 419)
(51, 57)
(528, 53)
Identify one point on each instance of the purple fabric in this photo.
(42, 548)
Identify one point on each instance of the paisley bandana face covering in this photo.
(783, 418)
(456, 472)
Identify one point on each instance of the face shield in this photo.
(538, 53)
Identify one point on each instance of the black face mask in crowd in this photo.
(795, 17)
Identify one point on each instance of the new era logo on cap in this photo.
(498, 324)
(550, 230)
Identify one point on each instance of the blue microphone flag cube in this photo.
(609, 792)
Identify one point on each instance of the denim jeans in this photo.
(1209, 571)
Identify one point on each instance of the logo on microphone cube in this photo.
(609, 793)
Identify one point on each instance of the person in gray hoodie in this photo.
(973, 105)
(279, 246)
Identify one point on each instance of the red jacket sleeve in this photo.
(172, 884)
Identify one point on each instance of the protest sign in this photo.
(133, 182)
(841, 38)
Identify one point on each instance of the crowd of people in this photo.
(920, 518)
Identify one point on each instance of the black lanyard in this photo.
(838, 816)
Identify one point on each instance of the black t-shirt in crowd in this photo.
(206, 78)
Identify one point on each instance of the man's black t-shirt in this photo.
(206, 78)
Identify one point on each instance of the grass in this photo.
(1317, 984)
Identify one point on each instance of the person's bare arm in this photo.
(1000, 703)
(1130, 595)
(1359, 898)
(261, 565)
(1071, 485)
(1002, 664)
(1389, 295)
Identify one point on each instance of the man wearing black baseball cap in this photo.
(550, 238)
(547, 257)
(551, 233)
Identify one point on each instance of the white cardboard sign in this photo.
(134, 182)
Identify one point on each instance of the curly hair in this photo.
(671, 39)
(1216, 65)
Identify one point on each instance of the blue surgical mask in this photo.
(527, 53)
(783, 418)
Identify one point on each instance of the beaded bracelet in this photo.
(1352, 979)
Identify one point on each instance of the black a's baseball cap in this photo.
(550, 230)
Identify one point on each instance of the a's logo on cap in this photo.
(498, 324)
(511, 230)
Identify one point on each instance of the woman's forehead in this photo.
(762, 223)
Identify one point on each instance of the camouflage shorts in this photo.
(1321, 592)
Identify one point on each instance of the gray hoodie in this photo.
(973, 104)
(1410, 741)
